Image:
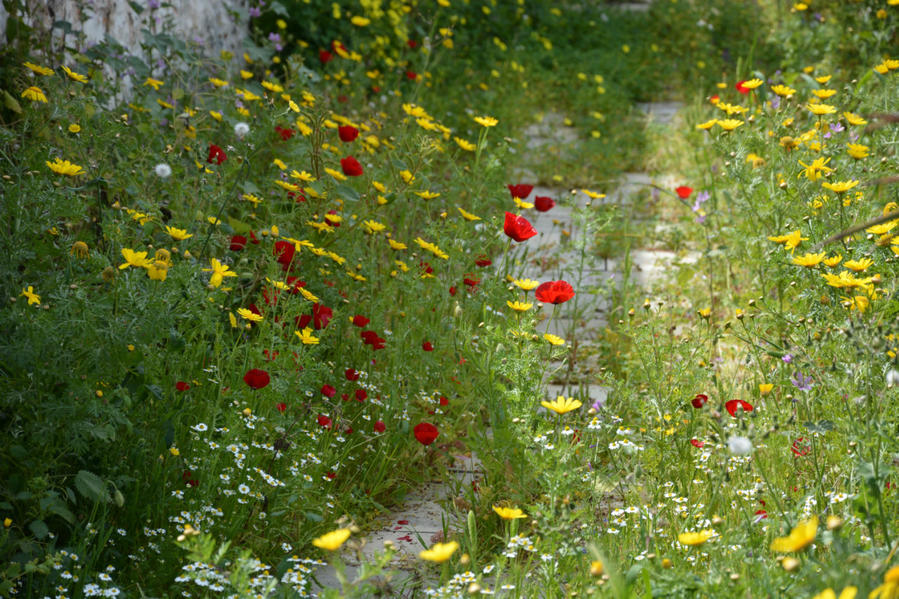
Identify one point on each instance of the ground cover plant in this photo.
(256, 297)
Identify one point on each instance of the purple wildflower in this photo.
(801, 382)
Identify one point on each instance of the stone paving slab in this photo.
(550, 130)
(662, 113)
(651, 266)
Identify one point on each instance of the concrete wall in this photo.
(207, 21)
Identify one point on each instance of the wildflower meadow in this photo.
(452, 298)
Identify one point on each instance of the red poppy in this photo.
(518, 227)
(760, 515)
(281, 406)
(360, 321)
(351, 166)
(285, 251)
(270, 295)
(696, 443)
(216, 153)
(380, 427)
(328, 391)
(331, 475)
(324, 56)
(483, 261)
(411, 43)
(426, 433)
(285, 133)
(472, 283)
(321, 316)
(733, 405)
(371, 338)
(238, 242)
(256, 379)
(295, 284)
(521, 190)
(444, 401)
(347, 133)
(411, 75)
(452, 290)
(427, 346)
(800, 447)
(544, 203)
(182, 386)
(554, 292)
(361, 395)
(351, 374)
(741, 88)
(324, 421)
(700, 400)
(683, 192)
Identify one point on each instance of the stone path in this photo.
(563, 249)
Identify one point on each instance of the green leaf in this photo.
(136, 7)
(633, 573)
(39, 528)
(239, 226)
(11, 103)
(313, 516)
(155, 390)
(54, 505)
(822, 426)
(347, 193)
(90, 486)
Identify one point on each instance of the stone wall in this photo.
(218, 24)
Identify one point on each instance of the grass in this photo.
(146, 454)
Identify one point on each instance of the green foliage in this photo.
(208, 230)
